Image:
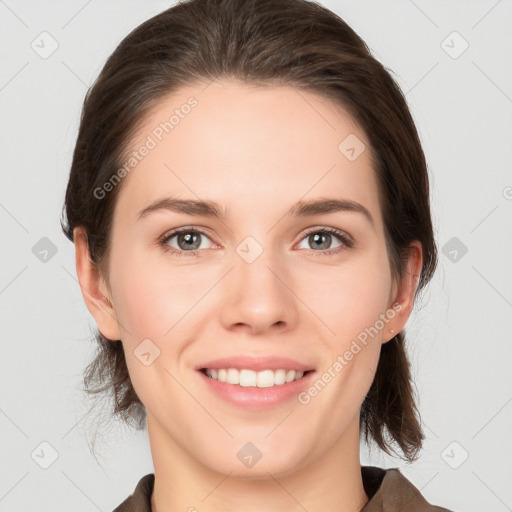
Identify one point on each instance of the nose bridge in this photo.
(256, 265)
(256, 293)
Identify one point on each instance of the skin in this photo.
(256, 151)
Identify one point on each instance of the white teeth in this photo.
(250, 378)
(232, 376)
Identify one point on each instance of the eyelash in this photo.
(342, 237)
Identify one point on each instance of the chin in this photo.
(251, 463)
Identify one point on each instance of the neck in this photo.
(331, 483)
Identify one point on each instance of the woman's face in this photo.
(262, 282)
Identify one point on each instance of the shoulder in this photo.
(389, 491)
(140, 499)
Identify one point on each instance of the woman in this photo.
(249, 203)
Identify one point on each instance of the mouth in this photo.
(255, 379)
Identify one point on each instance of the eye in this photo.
(188, 241)
(322, 238)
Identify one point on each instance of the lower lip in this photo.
(255, 398)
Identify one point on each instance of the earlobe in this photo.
(406, 290)
(94, 289)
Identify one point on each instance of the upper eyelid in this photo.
(186, 229)
(328, 229)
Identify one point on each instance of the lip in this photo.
(257, 363)
(254, 398)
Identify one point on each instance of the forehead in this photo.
(248, 147)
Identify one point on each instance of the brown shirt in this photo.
(388, 490)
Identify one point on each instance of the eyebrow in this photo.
(213, 209)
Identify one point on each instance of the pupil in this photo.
(318, 236)
(189, 240)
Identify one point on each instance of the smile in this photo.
(251, 378)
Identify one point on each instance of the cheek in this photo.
(352, 300)
(152, 304)
(152, 296)
(350, 297)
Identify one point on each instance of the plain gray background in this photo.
(453, 61)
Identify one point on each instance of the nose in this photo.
(258, 295)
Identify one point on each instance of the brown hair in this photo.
(271, 42)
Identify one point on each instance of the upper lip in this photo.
(258, 363)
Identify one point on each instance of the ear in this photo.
(402, 294)
(95, 291)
